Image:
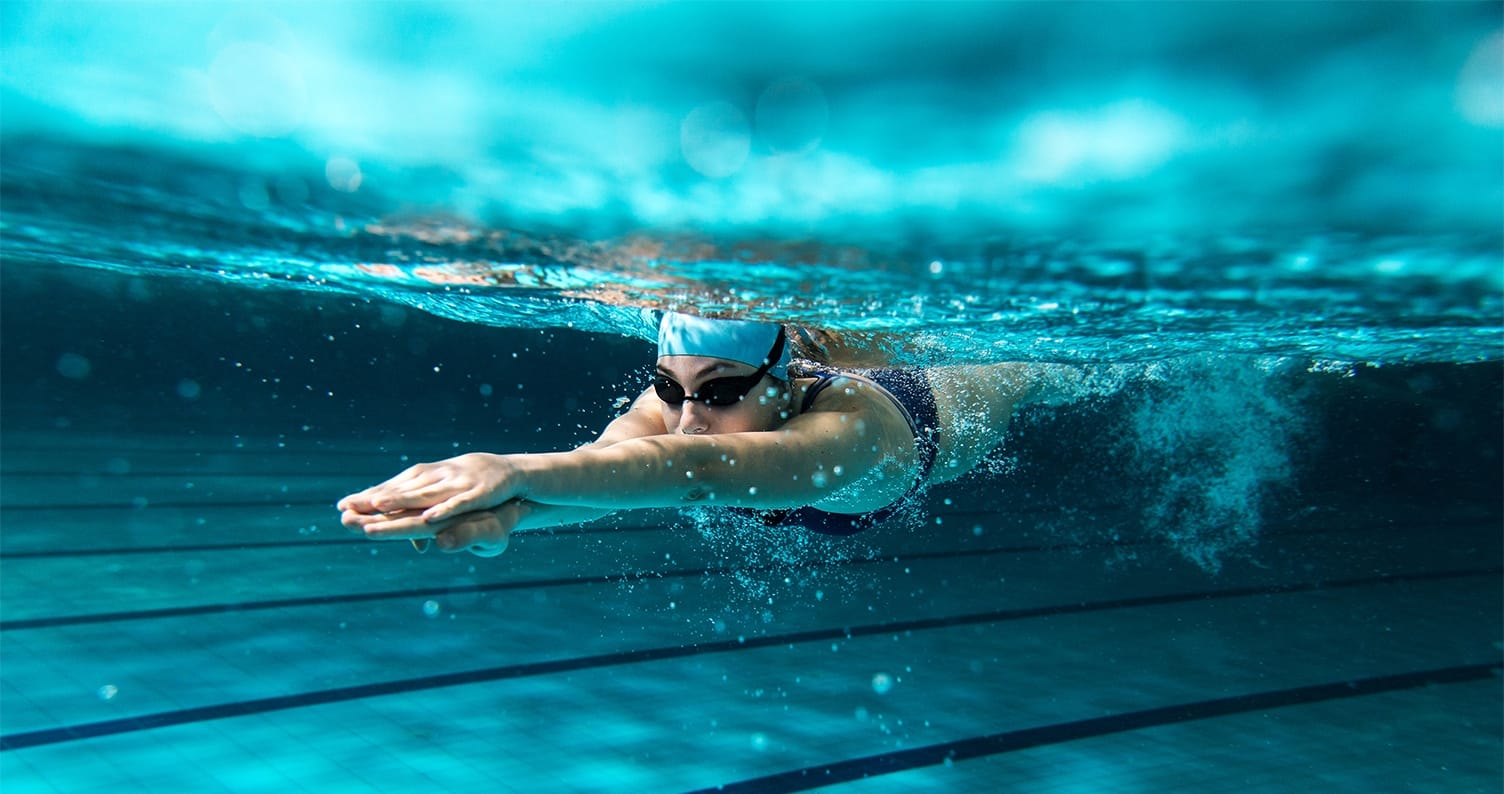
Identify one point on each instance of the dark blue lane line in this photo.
(345, 598)
(151, 505)
(527, 584)
(91, 730)
(326, 503)
(287, 459)
(532, 584)
(352, 540)
(607, 529)
(1059, 733)
(212, 547)
(236, 474)
(182, 549)
(179, 453)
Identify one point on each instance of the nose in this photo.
(694, 419)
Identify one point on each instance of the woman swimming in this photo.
(730, 420)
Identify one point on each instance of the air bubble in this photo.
(716, 139)
(343, 174)
(72, 365)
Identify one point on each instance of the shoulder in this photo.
(867, 435)
(848, 393)
(643, 418)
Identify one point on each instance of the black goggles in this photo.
(719, 392)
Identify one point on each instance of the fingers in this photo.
(387, 500)
(415, 487)
(445, 489)
(481, 534)
(363, 501)
(444, 502)
(358, 521)
(456, 505)
(411, 500)
(404, 525)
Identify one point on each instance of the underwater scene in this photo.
(1208, 299)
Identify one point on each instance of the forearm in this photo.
(668, 471)
(789, 467)
(536, 515)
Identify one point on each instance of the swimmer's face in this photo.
(758, 410)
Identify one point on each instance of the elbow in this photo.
(725, 484)
(693, 476)
(706, 483)
(719, 479)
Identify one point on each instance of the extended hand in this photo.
(484, 533)
(439, 490)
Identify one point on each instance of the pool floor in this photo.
(186, 614)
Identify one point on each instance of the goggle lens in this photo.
(719, 392)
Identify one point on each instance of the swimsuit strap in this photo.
(909, 391)
(822, 382)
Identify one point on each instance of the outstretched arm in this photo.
(486, 532)
(809, 460)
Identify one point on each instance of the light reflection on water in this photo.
(1069, 182)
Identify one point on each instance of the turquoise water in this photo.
(256, 256)
(1079, 182)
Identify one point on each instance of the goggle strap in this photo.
(774, 355)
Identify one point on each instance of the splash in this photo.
(1209, 443)
(767, 563)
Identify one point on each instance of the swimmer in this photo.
(731, 420)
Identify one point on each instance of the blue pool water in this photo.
(256, 256)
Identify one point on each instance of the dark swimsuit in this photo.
(910, 391)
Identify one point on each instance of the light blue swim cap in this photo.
(744, 341)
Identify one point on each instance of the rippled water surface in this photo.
(964, 182)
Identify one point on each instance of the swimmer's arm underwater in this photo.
(639, 421)
(483, 532)
(851, 437)
(804, 462)
(486, 532)
(847, 458)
